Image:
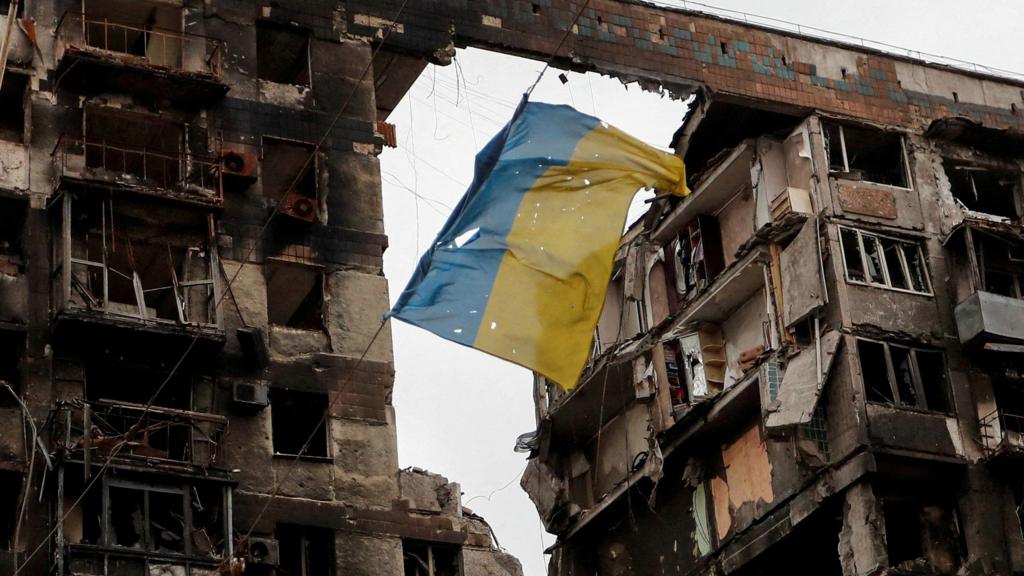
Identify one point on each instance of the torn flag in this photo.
(521, 267)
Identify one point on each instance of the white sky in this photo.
(459, 410)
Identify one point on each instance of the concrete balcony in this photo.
(991, 321)
(96, 54)
(181, 177)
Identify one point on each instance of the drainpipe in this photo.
(11, 13)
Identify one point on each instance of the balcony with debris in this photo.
(165, 156)
(138, 47)
(141, 448)
(122, 268)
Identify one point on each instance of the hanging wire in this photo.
(554, 54)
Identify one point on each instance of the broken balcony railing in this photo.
(92, 431)
(181, 175)
(1002, 431)
(168, 49)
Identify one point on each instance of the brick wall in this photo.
(681, 49)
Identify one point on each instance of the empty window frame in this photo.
(1001, 265)
(421, 559)
(867, 154)
(13, 98)
(884, 262)
(904, 376)
(985, 190)
(282, 53)
(305, 550)
(295, 295)
(298, 418)
(147, 517)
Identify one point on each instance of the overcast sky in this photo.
(459, 410)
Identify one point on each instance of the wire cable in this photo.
(554, 54)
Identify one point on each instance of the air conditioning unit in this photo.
(250, 394)
(300, 207)
(238, 163)
(262, 552)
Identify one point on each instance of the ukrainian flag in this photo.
(521, 268)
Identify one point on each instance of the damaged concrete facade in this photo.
(812, 363)
(186, 394)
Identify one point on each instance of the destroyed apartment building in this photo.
(181, 384)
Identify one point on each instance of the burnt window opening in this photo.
(297, 417)
(916, 531)
(884, 262)
(10, 486)
(868, 154)
(295, 295)
(904, 376)
(992, 192)
(138, 385)
(282, 53)
(150, 518)
(535, 8)
(134, 513)
(902, 531)
(12, 228)
(13, 99)
(420, 559)
(1001, 264)
(305, 550)
(126, 259)
(290, 176)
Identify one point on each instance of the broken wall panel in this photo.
(801, 276)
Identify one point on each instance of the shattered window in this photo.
(984, 190)
(1002, 269)
(298, 418)
(851, 255)
(874, 371)
(868, 154)
(883, 261)
(148, 518)
(904, 376)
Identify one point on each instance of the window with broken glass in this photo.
(884, 262)
(904, 376)
(1001, 264)
(985, 190)
(170, 519)
(126, 259)
(867, 154)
